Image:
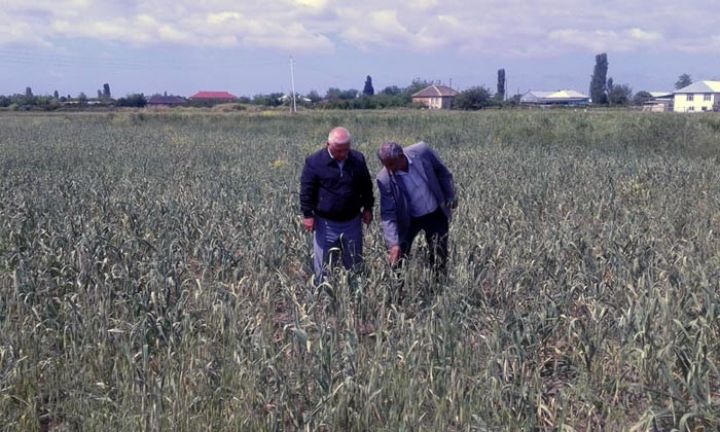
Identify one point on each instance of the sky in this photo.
(245, 47)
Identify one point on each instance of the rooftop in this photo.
(165, 100)
(556, 96)
(213, 95)
(660, 94)
(435, 90)
(701, 87)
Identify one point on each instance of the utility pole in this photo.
(293, 107)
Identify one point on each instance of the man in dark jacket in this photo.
(335, 196)
(417, 193)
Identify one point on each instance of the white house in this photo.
(560, 98)
(435, 96)
(697, 97)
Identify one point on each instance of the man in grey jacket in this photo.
(417, 193)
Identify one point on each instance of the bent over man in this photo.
(335, 196)
(417, 193)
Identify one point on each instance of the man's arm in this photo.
(366, 186)
(388, 215)
(308, 194)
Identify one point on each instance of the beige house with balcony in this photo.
(698, 97)
(435, 97)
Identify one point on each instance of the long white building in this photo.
(560, 97)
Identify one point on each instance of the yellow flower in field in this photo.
(279, 163)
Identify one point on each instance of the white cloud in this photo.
(380, 27)
(604, 40)
(223, 18)
(15, 32)
(645, 36)
(501, 27)
(312, 4)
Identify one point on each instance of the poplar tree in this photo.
(598, 82)
(368, 90)
(500, 95)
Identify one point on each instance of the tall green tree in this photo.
(336, 93)
(416, 85)
(368, 89)
(500, 95)
(106, 91)
(136, 100)
(684, 80)
(474, 98)
(598, 82)
(314, 96)
(391, 90)
(56, 95)
(641, 97)
(619, 94)
(269, 99)
(28, 99)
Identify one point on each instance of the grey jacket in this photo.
(394, 209)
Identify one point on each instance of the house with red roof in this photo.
(213, 96)
(435, 96)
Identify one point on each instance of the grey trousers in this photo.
(336, 239)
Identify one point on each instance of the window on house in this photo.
(691, 108)
(708, 97)
(690, 97)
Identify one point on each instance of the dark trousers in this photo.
(436, 228)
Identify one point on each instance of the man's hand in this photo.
(394, 254)
(452, 204)
(367, 217)
(309, 224)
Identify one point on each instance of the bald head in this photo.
(339, 135)
(339, 142)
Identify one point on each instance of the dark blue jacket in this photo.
(327, 193)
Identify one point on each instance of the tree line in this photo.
(392, 96)
(28, 100)
(604, 91)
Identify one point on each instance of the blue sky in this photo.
(182, 46)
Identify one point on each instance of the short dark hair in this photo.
(389, 150)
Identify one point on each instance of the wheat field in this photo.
(154, 275)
